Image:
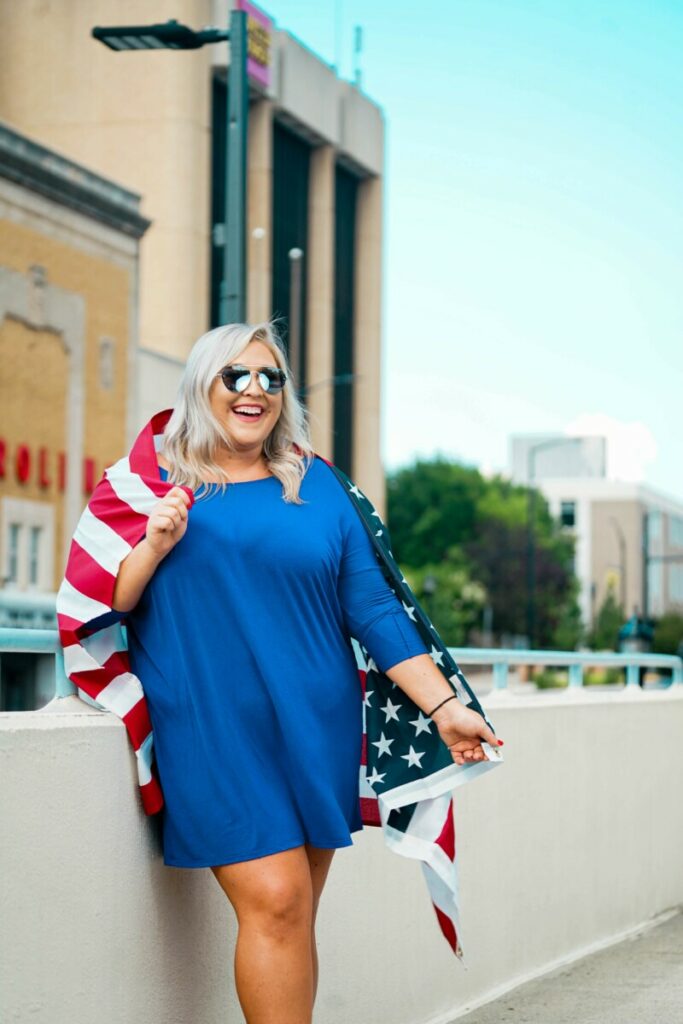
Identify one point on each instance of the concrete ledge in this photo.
(575, 843)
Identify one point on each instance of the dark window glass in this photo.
(219, 106)
(346, 188)
(291, 162)
(568, 513)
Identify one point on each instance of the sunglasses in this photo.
(238, 378)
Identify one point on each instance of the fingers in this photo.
(463, 752)
(171, 511)
(179, 492)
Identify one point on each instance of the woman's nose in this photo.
(254, 386)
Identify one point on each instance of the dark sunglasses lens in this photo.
(236, 378)
(272, 380)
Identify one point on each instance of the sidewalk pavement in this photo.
(637, 981)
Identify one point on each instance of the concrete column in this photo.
(260, 211)
(320, 281)
(367, 466)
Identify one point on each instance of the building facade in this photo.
(155, 121)
(629, 537)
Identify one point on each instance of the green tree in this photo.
(440, 512)
(604, 634)
(431, 506)
(455, 602)
(668, 633)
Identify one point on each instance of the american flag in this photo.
(407, 774)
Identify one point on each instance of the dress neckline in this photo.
(231, 483)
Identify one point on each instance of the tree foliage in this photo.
(604, 635)
(668, 634)
(446, 518)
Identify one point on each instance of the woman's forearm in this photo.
(421, 680)
(135, 572)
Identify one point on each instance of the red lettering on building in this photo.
(43, 478)
(88, 476)
(23, 463)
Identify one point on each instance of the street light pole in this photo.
(171, 35)
(295, 258)
(232, 307)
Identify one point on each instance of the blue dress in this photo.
(241, 642)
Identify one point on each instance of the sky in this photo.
(533, 221)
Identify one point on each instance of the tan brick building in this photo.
(153, 120)
(68, 315)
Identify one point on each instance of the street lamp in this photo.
(531, 531)
(173, 36)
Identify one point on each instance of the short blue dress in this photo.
(241, 642)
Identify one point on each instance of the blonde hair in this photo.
(193, 433)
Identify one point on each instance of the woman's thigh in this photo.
(279, 885)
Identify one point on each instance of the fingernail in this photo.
(500, 743)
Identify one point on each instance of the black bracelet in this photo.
(453, 696)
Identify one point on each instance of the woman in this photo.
(257, 739)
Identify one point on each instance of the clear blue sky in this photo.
(534, 220)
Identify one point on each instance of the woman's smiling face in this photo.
(248, 416)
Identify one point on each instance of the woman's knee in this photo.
(271, 893)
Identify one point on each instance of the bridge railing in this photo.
(501, 660)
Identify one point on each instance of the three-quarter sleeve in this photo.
(372, 612)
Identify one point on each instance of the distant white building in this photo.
(619, 527)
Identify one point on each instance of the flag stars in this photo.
(368, 695)
(436, 655)
(354, 490)
(413, 757)
(383, 745)
(390, 710)
(422, 724)
(375, 777)
(410, 610)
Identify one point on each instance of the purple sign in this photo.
(259, 39)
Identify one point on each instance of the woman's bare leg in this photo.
(319, 860)
(273, 900)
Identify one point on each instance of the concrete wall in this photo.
(574, 841)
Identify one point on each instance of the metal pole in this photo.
(295, 258)
(233, 285)
(621, 539)
(646, 565)
(531, 553)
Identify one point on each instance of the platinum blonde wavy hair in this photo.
(193, 433)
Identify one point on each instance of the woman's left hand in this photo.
(462, 730)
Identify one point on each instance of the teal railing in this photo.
(576, 662)
(46, 641)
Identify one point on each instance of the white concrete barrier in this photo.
(572, 843)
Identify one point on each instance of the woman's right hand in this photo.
(167, 521)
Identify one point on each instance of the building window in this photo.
(291, 173)
(34, 535)
(676, 531)
(346, 193)
(13, 547)
(568, 513)
(26, 544)
(654, 525)
(676, 584)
